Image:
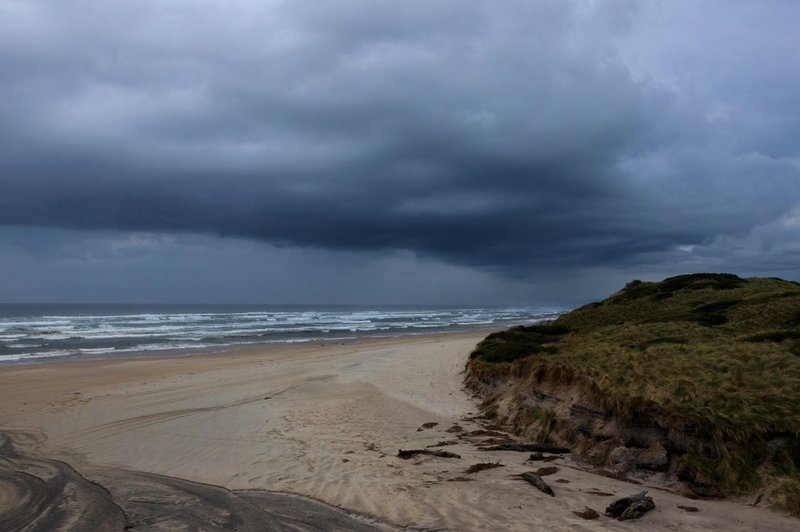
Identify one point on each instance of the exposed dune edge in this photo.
(576, 417)
(693, 380)
(42, 494)
(323, 422)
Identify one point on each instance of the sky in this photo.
(537, 153)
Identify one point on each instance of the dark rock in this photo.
(637, 509)
(631, 507)
(599, 453)
(654, 457)
(622, 459)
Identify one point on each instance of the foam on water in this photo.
(29, 332)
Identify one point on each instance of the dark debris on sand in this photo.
(527, 448)
(631, 507)
(539, 457)
(443, 443)
(536, 480)
(588, 513)
(482, 466)
(405, 454)
(544, 471)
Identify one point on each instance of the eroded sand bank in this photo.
(324, 422)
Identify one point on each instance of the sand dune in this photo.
(323, 422)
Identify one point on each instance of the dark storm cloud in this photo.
(513, 136)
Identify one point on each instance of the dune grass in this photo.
(717, 355)
(518, 342)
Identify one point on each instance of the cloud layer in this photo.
(515, 137)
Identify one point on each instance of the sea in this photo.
(31, 333)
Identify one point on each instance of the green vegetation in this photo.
(519, 342)
(712, 356)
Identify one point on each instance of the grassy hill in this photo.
(702, 370)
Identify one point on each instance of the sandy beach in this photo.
(320, 421)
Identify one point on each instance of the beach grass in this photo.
(716, 355)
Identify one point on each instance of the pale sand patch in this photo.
(324, 422)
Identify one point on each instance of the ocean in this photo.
(33, 332)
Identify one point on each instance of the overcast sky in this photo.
(369, 151)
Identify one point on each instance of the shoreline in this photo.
(85, 332)
(326, 423)
(231, 348)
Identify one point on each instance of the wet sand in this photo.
(225, 432)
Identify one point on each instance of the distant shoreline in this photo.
(43, 333)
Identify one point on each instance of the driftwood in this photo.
(631, 507)
(537, 481)
(411, 453)
(527, 448)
